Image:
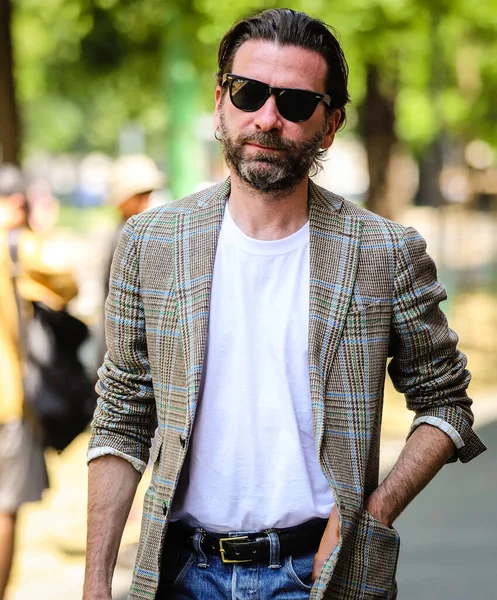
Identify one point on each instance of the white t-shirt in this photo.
(252, 461)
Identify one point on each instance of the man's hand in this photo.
(328, 543)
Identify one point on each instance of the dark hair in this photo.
(291, 28)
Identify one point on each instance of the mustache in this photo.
(268, 138)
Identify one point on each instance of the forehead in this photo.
(281, 66)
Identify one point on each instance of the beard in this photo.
(268, 172)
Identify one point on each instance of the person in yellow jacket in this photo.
(28, 278)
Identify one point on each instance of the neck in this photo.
(268, 216)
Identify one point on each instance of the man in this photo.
(26, 275)
(23, 474)
(251, 324)
(132, 179)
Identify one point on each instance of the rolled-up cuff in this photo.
(444, 426)
(93, 453)
(468, 445)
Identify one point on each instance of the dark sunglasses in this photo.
(294, 105)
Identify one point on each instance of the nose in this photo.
(267, 117)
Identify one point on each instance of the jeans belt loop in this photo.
(198, 537)
(274, 550)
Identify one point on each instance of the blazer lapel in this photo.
(334, 254)
(195, 242)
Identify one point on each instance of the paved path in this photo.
(449, 534)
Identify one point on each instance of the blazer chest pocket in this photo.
(368, 320)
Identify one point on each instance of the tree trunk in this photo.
(430, 169)
(9, 120)
(377, 115)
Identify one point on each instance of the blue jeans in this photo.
(191, 575)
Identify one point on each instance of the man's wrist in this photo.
(97, 584)
(378, 510)
(96, 591)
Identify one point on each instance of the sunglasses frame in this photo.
(277, 91)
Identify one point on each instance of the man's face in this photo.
(12, 211)
(135, 205)
(268, 152)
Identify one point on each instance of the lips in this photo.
(268, 141)
(255, 145)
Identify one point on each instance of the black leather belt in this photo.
(251, 547)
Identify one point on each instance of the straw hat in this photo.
(131, 175)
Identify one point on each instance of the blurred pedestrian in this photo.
(25, 277)
(23, 474)
(44, 208)
(249, 328)
(132, 179)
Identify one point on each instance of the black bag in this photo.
(57, 389)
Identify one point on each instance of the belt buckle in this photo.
(222, 550)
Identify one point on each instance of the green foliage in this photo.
(85, 67)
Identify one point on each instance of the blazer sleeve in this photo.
(427, 366)
(125, 418)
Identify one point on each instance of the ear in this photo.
(331, 129)
(218, 98)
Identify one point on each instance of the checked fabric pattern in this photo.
(373, 295)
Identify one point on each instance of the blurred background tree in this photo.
(9, 122)
(83, 68)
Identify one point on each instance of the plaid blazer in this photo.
(373, 294)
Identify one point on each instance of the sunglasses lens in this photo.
(248, 95)
(296, 105)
